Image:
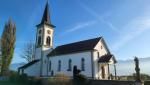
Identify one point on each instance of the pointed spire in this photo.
(46, 15)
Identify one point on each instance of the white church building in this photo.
(91, 56)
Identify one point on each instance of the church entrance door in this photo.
(103, 71)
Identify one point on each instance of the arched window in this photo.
(48, 41)
(69, 65)
(50, 65)
(39, 40)
(59, 65)
(82, 64)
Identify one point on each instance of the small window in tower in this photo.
(40, 31)
(101, 47)
(48, 41)
(48, 32)
(39, 40)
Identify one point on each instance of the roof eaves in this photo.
(105, 45)
(68, 53)
(97, 43)
(29, 64)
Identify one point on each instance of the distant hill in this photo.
(127, 67)
(15, 66)
(124, 67)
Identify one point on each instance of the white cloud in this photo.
(132, 30)
(128, 32)
(101, 19)
(79, 26)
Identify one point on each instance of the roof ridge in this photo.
(84, 45)
(79, 41)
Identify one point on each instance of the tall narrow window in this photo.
(39, 40)
(48, 41)
(59, 65)
(82, 64)
(69, 65)
(50, 65)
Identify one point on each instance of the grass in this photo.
(9, 83)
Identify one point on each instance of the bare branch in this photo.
(28, 52)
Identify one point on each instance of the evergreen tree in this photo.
(8, 45)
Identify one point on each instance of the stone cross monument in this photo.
(137, 69)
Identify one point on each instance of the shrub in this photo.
(146, 82)
(19, 78)
(80, 80)
(22, 78)
(34, 81)
(37, 81)
(13, 76)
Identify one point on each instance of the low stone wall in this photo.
(110, 82)
(147, 82)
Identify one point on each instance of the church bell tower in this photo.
(44, 39)
(44, 36)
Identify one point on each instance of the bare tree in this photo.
(28, 52)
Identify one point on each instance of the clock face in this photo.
(48, 31)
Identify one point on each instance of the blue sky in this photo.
(124, 24)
